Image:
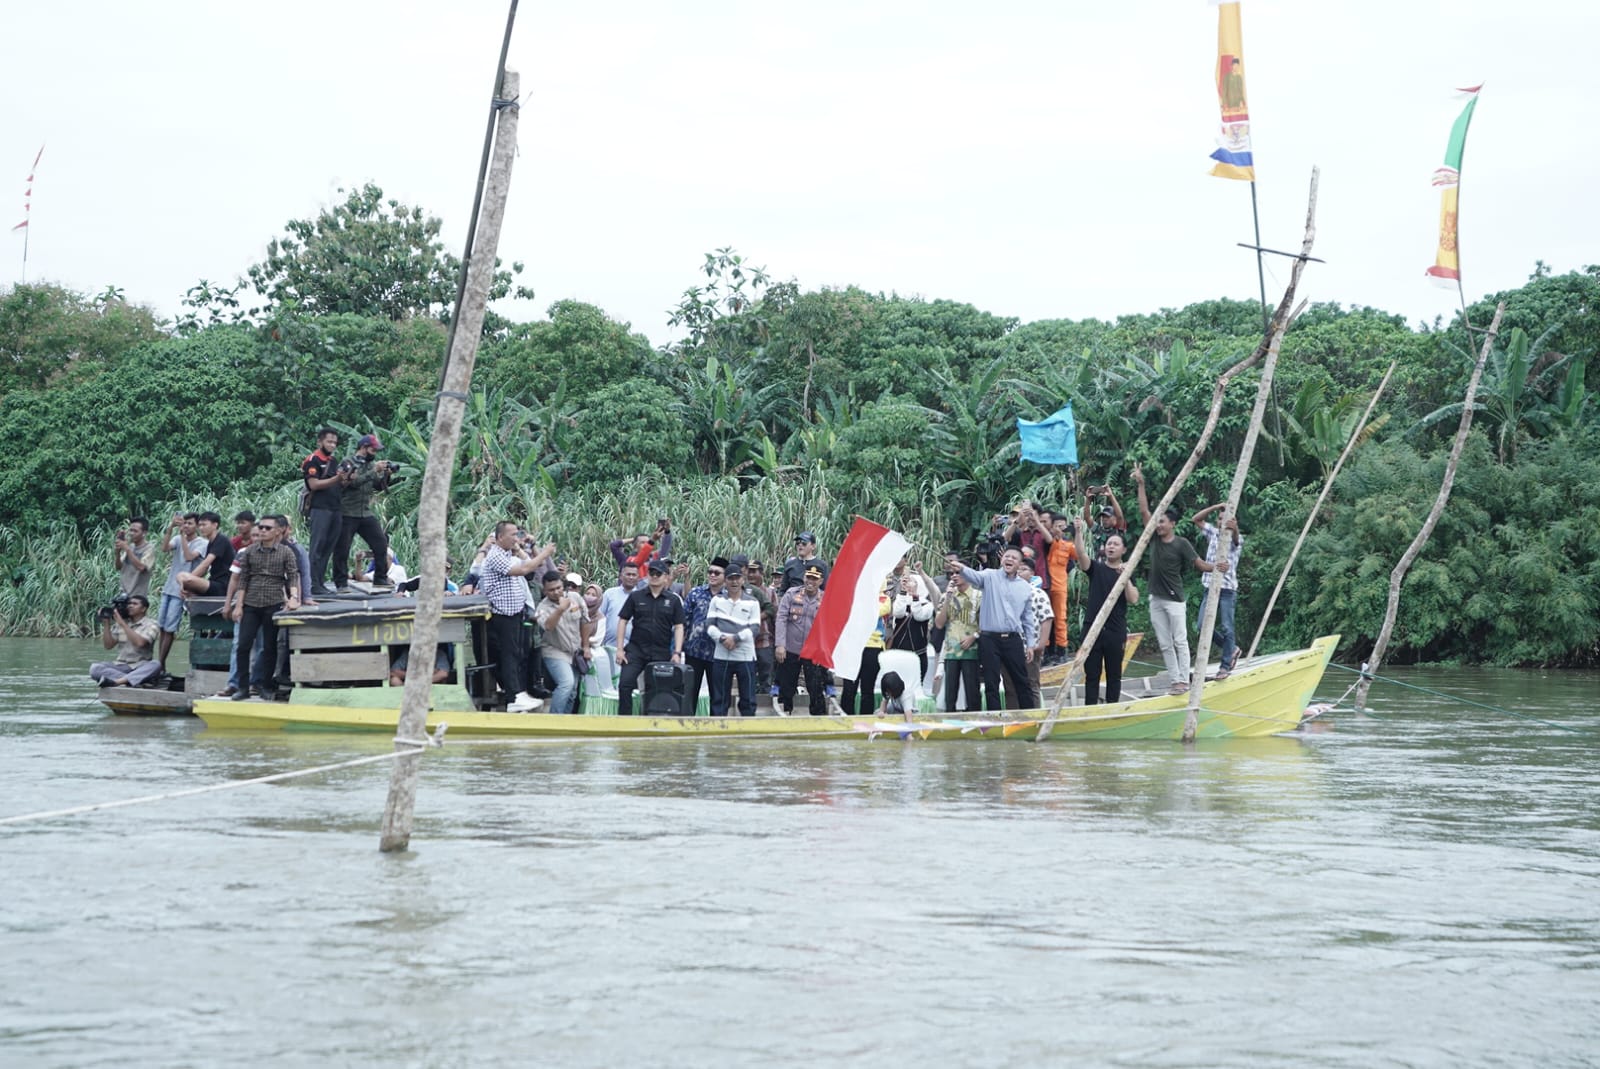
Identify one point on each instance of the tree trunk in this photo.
(1327, 485)
(1398, 576)
(1208, 610)
(432, 509)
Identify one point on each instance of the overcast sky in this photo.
(1039, 160)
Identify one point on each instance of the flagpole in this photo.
(1261, 270)
(27, 232)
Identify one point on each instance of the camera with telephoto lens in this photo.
(987, 552)
(119, 604)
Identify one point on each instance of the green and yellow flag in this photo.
(1447, 263)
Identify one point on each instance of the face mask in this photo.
(591, 601)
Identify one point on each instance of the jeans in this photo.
(723, 673)
(1223, 634)
(559, 665)
(326, 525)
(1170, 622)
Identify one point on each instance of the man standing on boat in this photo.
(649, 631)
(565, 633)
(268, 580)
(1170, 554)
(958, 617)
(1223, 635)
(805, 556)
(732, 620)
(1106, 654)
(363, 476)
(134, 555)
(324, 491)
(796, 612)
(612, 600)
(187, 548)
(1006, 633)
(502, 581)
(700, 649)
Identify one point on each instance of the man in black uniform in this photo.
(649, 630)
(324, 489)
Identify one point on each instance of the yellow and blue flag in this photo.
(1233, 155)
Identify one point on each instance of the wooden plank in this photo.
(202, 683)
(346, 667)
(365, 634)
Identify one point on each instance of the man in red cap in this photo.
(363, 475)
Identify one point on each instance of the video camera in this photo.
(119, 605)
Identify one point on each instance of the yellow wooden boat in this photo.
(1263, 696)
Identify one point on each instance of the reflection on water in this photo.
(1418, 889)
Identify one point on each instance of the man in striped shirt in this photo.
(502, 582)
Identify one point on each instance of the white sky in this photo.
(1035, 159)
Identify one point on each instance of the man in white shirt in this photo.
(732, 621)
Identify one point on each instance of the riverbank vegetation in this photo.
(778, 408)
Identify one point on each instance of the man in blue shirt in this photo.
(1007, 632)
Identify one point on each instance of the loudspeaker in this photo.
(665, 690)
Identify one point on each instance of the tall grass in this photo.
(53, 581)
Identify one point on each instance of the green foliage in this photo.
(579, 344)
(49, 334)
(366, 256)
(629, 428)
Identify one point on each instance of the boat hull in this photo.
(1265, 697)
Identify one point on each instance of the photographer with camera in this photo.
(126, 627)
(134, 554)
(362, 476)
(1106, 518)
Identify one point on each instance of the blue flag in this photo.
(1052, 440)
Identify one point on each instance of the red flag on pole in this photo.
(27, 194)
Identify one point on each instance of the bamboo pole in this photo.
(431, 510)
(1252, 434)
(1281, 318)
(1398, 576)
(1327, 485)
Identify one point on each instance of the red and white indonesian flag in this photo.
(849, 609)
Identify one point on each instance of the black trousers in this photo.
(371, 532)
(866, 682)
(259, 618)
(508, 646)
(789, 671)
(699, 671)
(960, 672)
(1105, 653)
(1002, 651)
(326, 527)
(638, 664)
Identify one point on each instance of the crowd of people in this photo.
(986, 623)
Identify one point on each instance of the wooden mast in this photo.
(433, 507)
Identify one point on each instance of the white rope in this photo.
(418, 745)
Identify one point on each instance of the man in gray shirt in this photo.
(1007, 632)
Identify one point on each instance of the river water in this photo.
(1419, 889)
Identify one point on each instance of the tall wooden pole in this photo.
(1327, 485)
(1398, 576)
(1252, 434)
(433, 508)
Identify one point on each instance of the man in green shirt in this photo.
(363, 476)
(958, 615)
(1170, 554)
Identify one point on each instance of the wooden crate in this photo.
(344, 666)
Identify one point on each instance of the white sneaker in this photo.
(524, 703)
